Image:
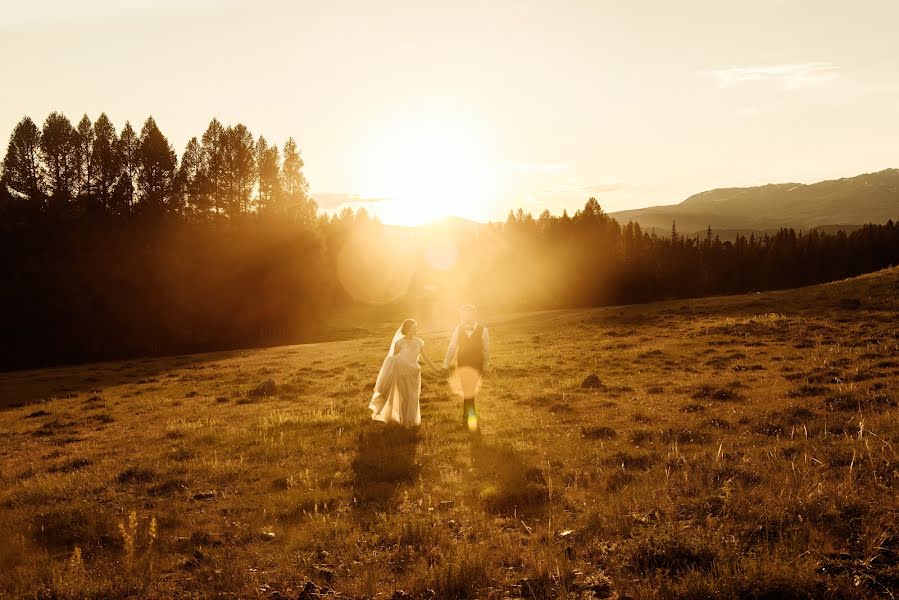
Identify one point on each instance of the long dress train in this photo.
(398, 387)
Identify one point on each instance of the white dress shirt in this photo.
(467, 329)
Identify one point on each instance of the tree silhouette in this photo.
(127, 150)
(213, 152)
(156, 164)
(191, 184)
(21, 167)
(268, 161)
(107, 163)
(60, 164)
(294, 186)
(84, 162)
(239, 170)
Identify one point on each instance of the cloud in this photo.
(329, 200)
(789, 76)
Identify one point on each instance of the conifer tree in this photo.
(239, 173)
(191, 183)
(84, 159)
(268, 161)
(126, 186)
(107, 162)
(59, 162)
(212, 146)
(156, 164)
(294, 185)
(21, 172)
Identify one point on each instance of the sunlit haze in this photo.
(419, 110)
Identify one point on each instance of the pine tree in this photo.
(107, 162)
(592, 208)
(21, 176)
(59, 161)
(126, 151)
(239, 175)
(294, 185)
(84, 159)
(156, 162)
(191, 185)
(213, 164)
(268, 162)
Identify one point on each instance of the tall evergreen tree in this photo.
(21, 176)
(84, 159)
(268, 165)
(191, 184)
(107, 162)
(156, 162)
(294, 185)
(239, 169)
(59, 161)
(126, 153)
(212, 145)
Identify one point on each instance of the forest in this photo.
(112, 246)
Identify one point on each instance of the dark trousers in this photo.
(470, 379)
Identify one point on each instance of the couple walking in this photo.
(398, 386)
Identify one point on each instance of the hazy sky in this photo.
(485, 106)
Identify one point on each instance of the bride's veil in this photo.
(385, 375)
(396, 337)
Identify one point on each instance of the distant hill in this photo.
(836, 204)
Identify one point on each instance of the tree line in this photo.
(61, 171)
(590, 259)
(112, 246)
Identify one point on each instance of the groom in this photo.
(472, 341)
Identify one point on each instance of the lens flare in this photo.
(471, 421)
(465, 382)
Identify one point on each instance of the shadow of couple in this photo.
(385, 461)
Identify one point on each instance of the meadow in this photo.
(742, 447)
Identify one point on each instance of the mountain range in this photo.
(835, 204)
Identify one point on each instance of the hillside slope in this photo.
(736, 447)
(868, 198)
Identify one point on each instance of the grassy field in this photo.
(740, 447)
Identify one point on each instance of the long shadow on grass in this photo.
(385, 460)
(20, 388)
(509, 484)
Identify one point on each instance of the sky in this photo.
(420, 109)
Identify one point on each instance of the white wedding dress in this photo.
(399, 384)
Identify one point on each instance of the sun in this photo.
(427, 168)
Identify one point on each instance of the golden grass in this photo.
(741, 447)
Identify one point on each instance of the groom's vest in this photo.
(471, 348)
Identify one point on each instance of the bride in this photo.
(399, 381)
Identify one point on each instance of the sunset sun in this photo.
(427, 168)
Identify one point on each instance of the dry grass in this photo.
(740, 447)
